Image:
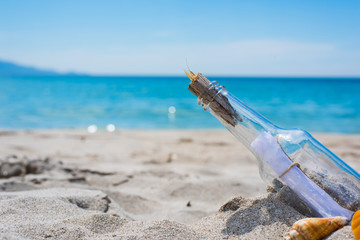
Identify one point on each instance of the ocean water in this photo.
(316, 105)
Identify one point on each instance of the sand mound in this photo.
(57, 213)
(251, 218)
(65, 213)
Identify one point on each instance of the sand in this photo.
(142, 184)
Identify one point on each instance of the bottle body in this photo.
(294, 159)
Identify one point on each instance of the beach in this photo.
(114, 120)
(142, 184)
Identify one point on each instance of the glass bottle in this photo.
(290, 160)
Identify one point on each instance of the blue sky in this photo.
(252, 38)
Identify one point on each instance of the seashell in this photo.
(355, 225)
(315, 228)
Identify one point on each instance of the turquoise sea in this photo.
(314, 104)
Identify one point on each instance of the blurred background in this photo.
(107, 65)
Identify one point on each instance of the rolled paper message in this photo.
(315, 197)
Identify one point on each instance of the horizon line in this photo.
(75, 74)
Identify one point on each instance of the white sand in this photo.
(142, 184)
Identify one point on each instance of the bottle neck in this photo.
(243, 122)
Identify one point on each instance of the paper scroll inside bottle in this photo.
(316, 198)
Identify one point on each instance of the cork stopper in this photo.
(210, 96)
